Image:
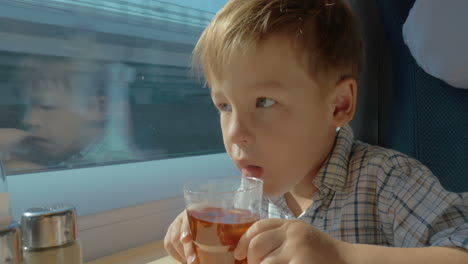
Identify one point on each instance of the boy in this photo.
(67, 118)
(283, 76)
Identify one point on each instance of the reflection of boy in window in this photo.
(66, 115)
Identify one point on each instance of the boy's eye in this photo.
(224, 107)
(264, 102)
(47, 107)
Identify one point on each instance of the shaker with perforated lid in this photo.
(10, 244)
(5, 210)
(10, 240)
(50, 236)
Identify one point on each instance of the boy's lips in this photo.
(252, 171)
(35, 140)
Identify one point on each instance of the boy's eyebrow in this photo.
(269, 85)
(262, 85)
(214, 93)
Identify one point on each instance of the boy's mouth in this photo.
(252, 171)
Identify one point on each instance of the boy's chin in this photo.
(273, 191)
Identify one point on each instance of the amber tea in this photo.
(216, 231)
(220, 211)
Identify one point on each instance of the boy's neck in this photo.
(297, 205)
(300, 197)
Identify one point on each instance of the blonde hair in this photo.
(327, 31)
(79, 78)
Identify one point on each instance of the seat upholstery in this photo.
(429, 118)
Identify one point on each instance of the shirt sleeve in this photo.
(422, 213)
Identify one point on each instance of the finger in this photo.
(262, 245)
(171, 246)
(186, 240)
(189, 252)
(261, 226)
(173, 252)
(177, 238)
(185, 228)
(9, 137)
(183, 236)
(172, 240)
(275, 257)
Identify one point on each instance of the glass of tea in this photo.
(219, 212)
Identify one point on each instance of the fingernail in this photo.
(183, 236)
(236, 254)
(191, 259)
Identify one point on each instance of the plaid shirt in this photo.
(371, 195)
(102, 150)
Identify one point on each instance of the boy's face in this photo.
(275, 124)
(58, 128)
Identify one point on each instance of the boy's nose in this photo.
(239, 131)
(31, 121)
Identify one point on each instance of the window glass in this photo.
(88, 83)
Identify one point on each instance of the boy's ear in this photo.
(344, 101)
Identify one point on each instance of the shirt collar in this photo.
(333, 173)
(86, 154)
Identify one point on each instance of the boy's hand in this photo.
(178, 241)
(289, 241)
(10, 137)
